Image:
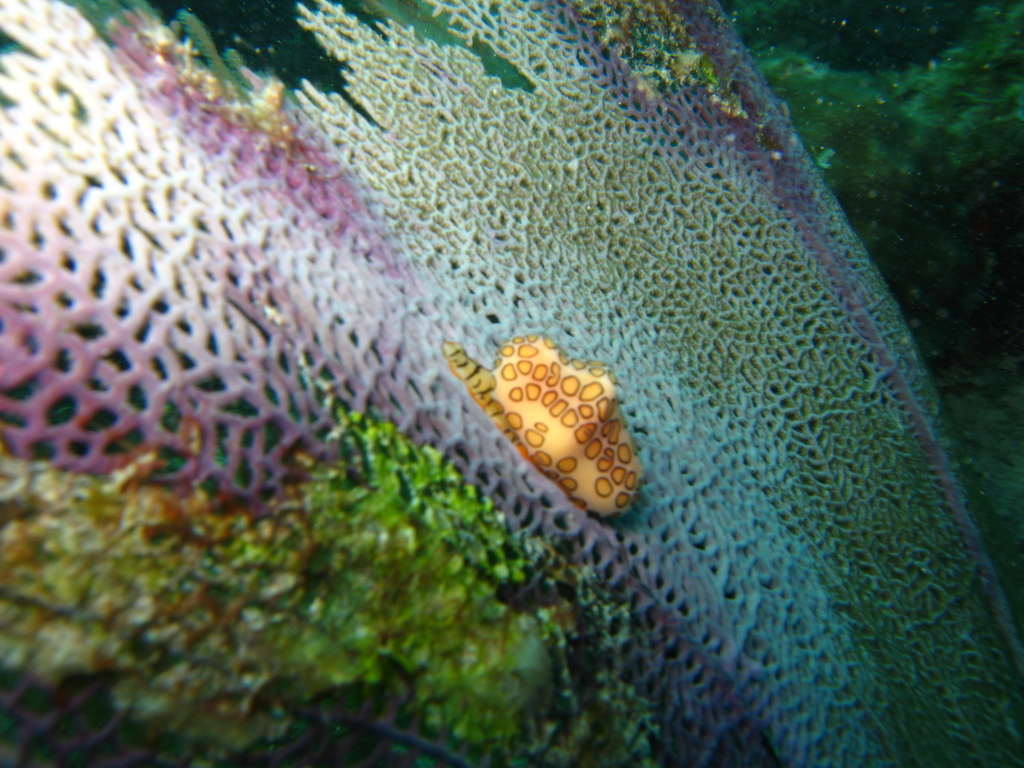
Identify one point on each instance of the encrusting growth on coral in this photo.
(563, 416)
(653, 37)
(239, 96)
(382, 576)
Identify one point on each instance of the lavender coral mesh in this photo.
(141, 249)
(171, 275)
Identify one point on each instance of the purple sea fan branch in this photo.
(141, 305)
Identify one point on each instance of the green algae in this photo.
(379, 578)
(407, 563)
(374, 578)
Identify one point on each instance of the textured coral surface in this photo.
(172, 272)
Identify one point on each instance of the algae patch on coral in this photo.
(381, 578)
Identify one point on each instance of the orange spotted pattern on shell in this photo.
(562, 414)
